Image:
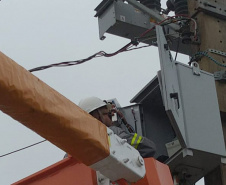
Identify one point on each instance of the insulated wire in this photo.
(181, 17)
(69, 63)
(65, 64)
(205, 53)
(123, 49)
(127, 47)
(178, 44)
(22, 148)
(154, 37)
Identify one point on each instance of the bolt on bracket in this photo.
(220, 76)
(195, 68)
(214, 9)
(217, 52)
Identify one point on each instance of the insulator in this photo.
(181, 7)
(170, 5)
(152, 4)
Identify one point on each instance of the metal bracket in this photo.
(123, 156)
(214, 9)
(217, 52)
(102, 180)
(223, 160)
(102, 7)
(195, 68)
(152, 13)
(187, 152)
(220, 76)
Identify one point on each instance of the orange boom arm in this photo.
(33, 103)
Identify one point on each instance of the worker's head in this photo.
(97, 108)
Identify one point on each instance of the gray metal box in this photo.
(133, 116)
(190, 100)
(155, 122)
(181, 103)
(124, 20)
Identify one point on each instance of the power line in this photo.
(63, 64)
(98, 54)
(125, 48)
(22, 148)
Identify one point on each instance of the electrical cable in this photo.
(139, 47)
(69, 63)
(173, 19)
(125, 48)
(205, 53)
(178, 44)
(154, 37)
(22, 148)
(135, 120)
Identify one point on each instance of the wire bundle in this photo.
(127, 47)
(200, 54)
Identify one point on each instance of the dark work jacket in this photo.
(144, 145)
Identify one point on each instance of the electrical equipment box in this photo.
(133, 116)
(124, 20)
(180, 104)
(155, 122)
(178, 109)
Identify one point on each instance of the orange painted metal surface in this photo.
(66, 172)
(71, 172)
(33, 103)
(156, 174)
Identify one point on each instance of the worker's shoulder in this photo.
(113, 127)
(116, 129)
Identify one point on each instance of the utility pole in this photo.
(211, 21)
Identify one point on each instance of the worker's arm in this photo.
(145, 146)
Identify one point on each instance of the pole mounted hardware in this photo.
(176, 97)
(220, 76)
(215, 9)
(130, 19)
(217, 52)
(195, 68)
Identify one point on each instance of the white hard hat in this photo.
(90, 104)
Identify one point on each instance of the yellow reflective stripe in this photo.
(134, 138)
(138, 141)
(109, 141)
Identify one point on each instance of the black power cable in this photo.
(98, 54)
(127, 47)
(22, 148)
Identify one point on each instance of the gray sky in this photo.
(35, 33)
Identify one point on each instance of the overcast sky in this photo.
(35, 33)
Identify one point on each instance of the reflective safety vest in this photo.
(145, 146)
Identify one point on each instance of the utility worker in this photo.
(99, 109)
